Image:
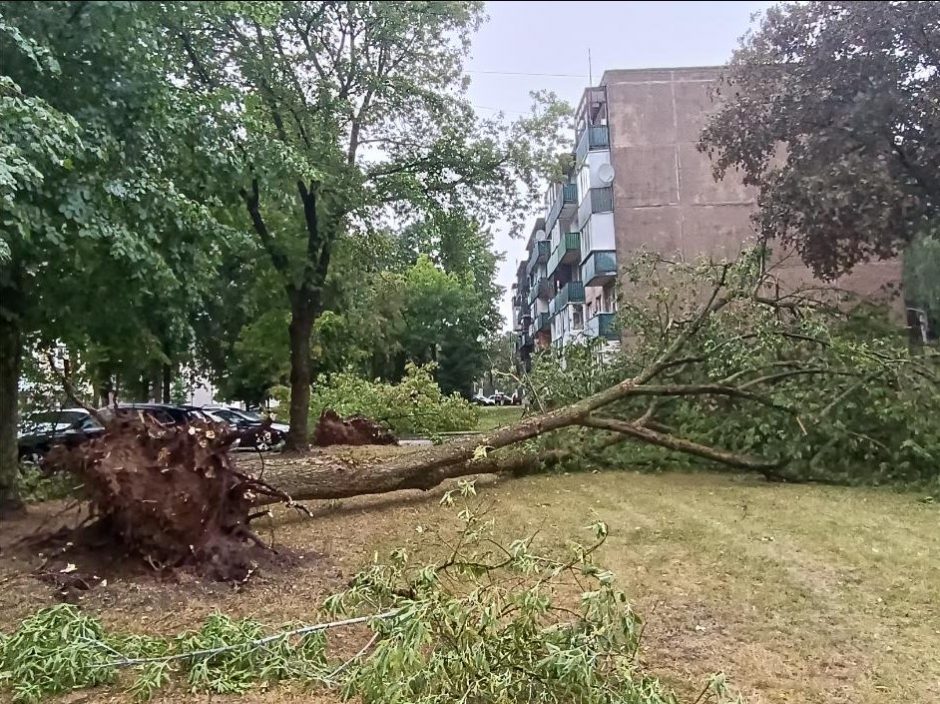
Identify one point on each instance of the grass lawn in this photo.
(492, 417)
(800, 594)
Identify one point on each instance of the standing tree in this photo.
(342, 112)
(832, 110)
(101, 233)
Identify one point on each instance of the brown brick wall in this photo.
(665, 197)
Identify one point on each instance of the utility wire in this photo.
(523, 73)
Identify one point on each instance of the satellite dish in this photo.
(605, 172)
(540, 234)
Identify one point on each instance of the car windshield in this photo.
(227, 416)
(57, 418)
(250, 415)
(50, 422)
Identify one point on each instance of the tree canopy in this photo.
(832, 111)
(246, 190)
(343, 116)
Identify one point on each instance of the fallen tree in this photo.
(767, 365)
(715, 345)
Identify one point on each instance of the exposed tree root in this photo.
(171, 494)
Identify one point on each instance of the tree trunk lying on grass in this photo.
(480, 455)
(173, 495)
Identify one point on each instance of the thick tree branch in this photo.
(277, 255)
(688, 447)
(706, 390)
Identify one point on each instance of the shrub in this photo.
(414, 406)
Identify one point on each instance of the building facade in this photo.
(638, 182)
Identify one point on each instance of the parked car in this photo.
(482, 400)
(160, 412)
(267, 436)
(501, 399)
(39, 431)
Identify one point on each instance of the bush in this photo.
(414, 406)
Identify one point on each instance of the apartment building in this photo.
(638, 182)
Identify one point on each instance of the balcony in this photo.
(597, 200)
(543, 322)
(568, 251)
(592, 138)
(602, 325)
(542, 289)
(566, 199)
(572, 292)
(599, 268)
(538, 255)
(525, 341)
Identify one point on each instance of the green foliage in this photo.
(36, 485)
(825, 110)
(414, 406)
(560, 376)
(55, 650)
(61, 649)
(841, 396)
(340, 116)
(489, 622)
(242, 663)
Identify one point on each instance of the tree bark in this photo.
(301, 327)
(304, 296)
(333, 477)
(11, 355)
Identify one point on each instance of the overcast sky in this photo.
(554, 38)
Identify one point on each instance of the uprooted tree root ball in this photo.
(170, 493)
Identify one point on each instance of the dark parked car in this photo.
(160, 412)
(39, 431)
(267, 436)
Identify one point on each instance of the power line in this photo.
(522, 73)
(487, 107)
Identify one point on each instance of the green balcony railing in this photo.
(567, 251)
(599, 268)
(543, 322)
(595, 137)
(603, 325)
(566, 195)
(538, 255)
(597, 200)
(571, 292)
(542, 289)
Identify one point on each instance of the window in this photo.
(577, 317)
(89, 424)
(160, 416)
(584, 181)
(586, 237)
(609, 303)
